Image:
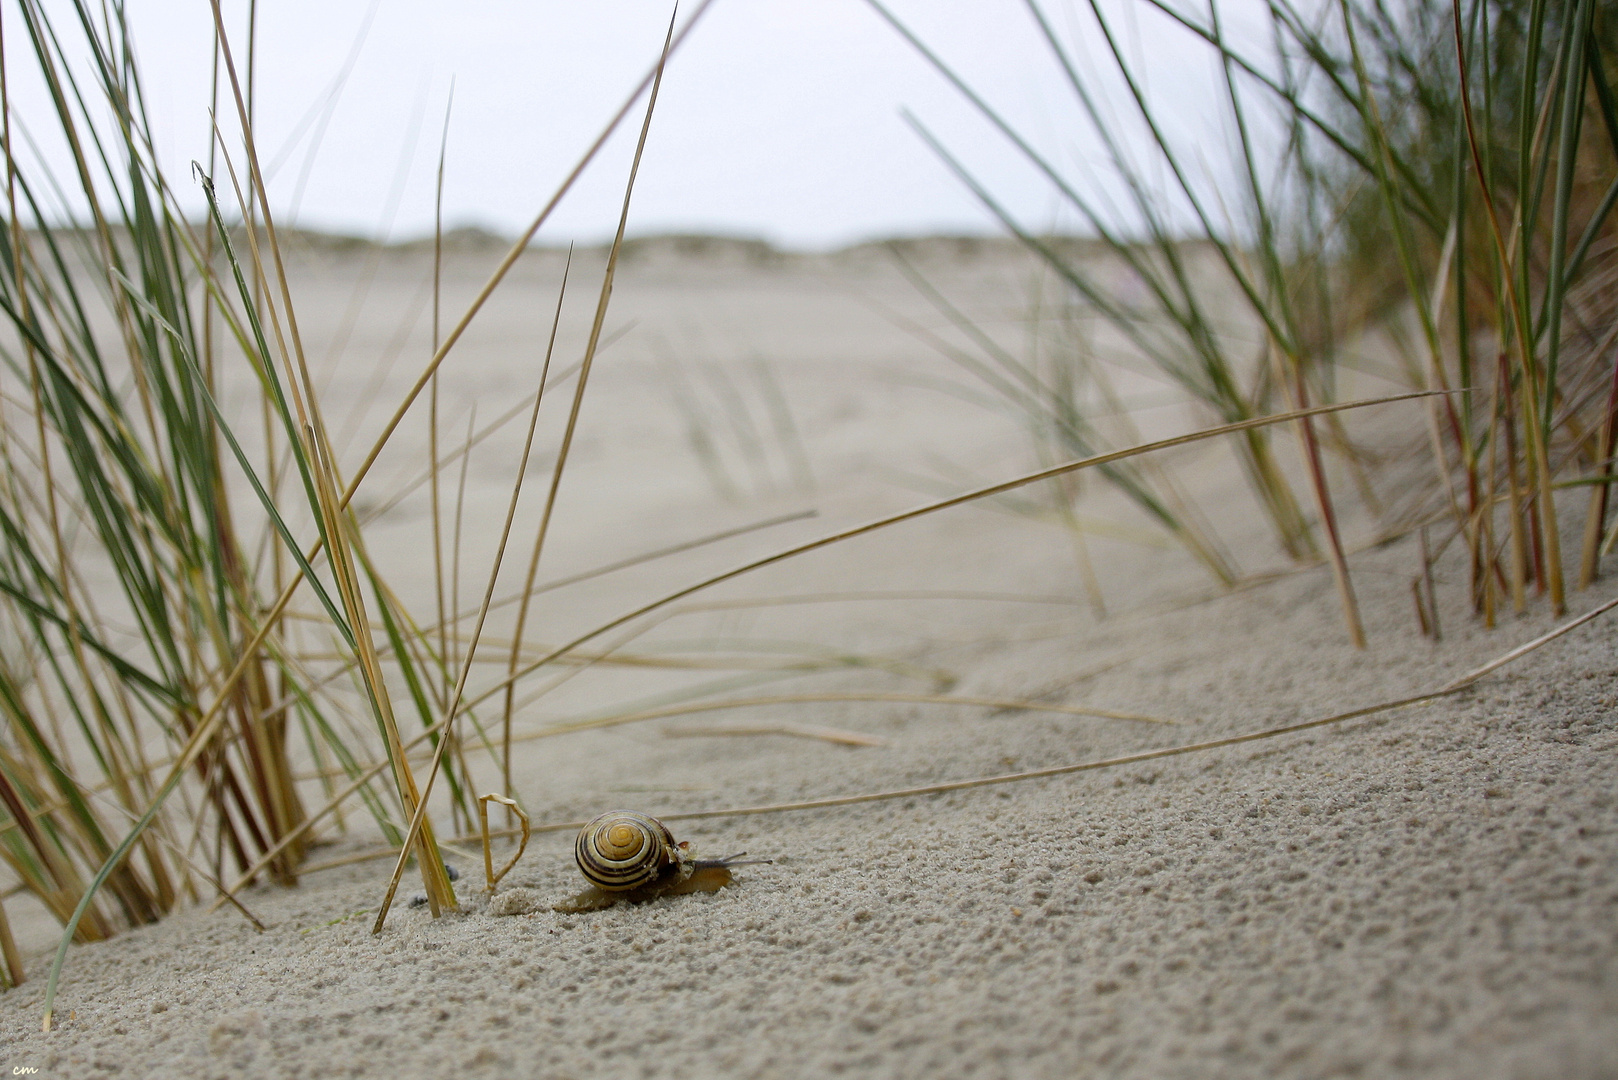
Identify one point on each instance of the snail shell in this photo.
(622, 850)
(629, 856)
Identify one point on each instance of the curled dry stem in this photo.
(488, 858)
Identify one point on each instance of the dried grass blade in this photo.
(1452, 687)
(556, 478)
(762, 701)
(1446, 690)
(418, 820)
(516, 252)
(800, 731)
(14, 973)
(432, 411)
(958, 500)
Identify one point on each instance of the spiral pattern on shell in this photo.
(622, 850)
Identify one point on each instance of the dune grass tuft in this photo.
(1438, 176)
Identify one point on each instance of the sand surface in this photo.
(1431, 891)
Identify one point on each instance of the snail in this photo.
(633, 857)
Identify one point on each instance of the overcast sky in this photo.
(779, 118)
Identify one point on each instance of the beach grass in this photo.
(176, 726)
(1432, 174)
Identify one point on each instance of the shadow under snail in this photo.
(632, 857)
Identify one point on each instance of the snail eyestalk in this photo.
(488, 858)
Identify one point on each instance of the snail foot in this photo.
(710, 877)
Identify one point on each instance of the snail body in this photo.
(630, 856)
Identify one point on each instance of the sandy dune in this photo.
(1431, 891)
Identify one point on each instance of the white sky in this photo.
(779, 118)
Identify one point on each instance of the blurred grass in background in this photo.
(1438, 177)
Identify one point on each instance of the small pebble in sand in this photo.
(421, 898)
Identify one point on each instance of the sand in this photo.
(1431, 891)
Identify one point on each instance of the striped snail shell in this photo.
(622, 850)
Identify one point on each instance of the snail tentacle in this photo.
(738, 859)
